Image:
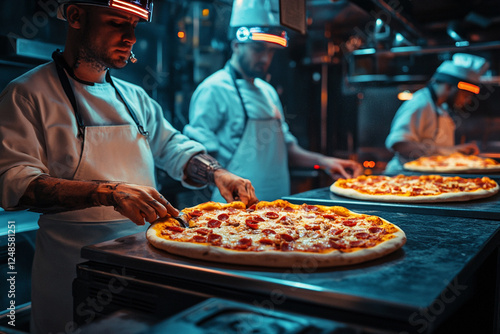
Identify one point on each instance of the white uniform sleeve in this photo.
(22, 149)
(415, 121)
(206, 114)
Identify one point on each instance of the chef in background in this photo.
(81, 146)
(423, 125)
(238, 116)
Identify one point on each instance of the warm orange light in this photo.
(405, 96)
(133, 9)
(205, 12)
(369, 164)
(258, 36)
(468, 87)
(181, 34)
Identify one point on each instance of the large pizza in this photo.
(277, 234)
(416, 189)
(453, 163)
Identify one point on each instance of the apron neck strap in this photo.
(61, 66)
(234, 74)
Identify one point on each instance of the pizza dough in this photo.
(277, 234)
(414, 189)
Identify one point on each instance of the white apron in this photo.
(262, 158)
(114, 153)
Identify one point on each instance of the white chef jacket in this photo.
(417, 120)
(216, 116)
(38, 129)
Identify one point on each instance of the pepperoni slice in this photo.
(286, 236)
(244, 243)
(312, 227)
(223, 216)
(251, 208)
(203, 231)
(200, 239)
(266, 241)
(213, 223)
(285, 246)
(375, 229)
(272, 215)
(175, 228)
(252, 224)
(196, 213)
(258, 219)
(362, 235)
(349, 222)
(330, 216)
(267, 231)
(357, 243)
(288, 209)
(285, 220)
(336, 244)
(310, 208)
(215, 239)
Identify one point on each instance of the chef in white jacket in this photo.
(81, 146)
(239, 117)
(424, 124)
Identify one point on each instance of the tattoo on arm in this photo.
(50, 194)
(201, 168)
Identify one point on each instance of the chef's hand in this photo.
(345, 168)
(137, 203)
(467, 148)
(234, 188)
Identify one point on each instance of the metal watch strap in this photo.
(201, 168)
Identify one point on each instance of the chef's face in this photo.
(461, 98)
(107, 37)
(255, 58)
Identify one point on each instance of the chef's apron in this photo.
(261, 155)
(443, 136)
(112, 153)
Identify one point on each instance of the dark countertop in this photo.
(439, 256)
(484, 208)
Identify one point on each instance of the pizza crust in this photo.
(445, 197)
(277, 259)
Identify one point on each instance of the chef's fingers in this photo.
(338, 169)
(246, 194)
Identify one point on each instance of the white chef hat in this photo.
(463, 69)
(257, 20)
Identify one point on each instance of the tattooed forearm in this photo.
(49, 194)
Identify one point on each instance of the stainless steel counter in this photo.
(414, 289)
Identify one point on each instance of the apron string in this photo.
(61, 65)
(143, 131)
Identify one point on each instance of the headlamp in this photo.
(468, 87)
(262, 34)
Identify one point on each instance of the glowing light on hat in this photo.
(468, 87)
(258, 36)
(257, 20)
(131, 8)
